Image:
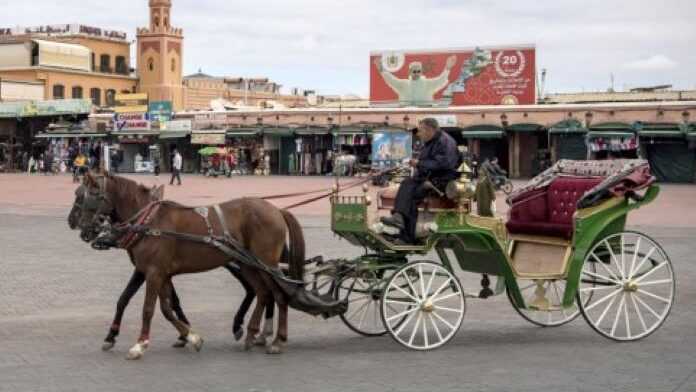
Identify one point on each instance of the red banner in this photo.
(495, 76)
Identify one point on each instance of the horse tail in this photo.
(296, 250)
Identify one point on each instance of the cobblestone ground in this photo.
(57, 297)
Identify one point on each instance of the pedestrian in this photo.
(177, 163)
(48, 162)
(25, 160)
(30, 165)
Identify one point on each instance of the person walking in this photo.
(177, 163)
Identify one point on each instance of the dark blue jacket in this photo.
(439, 159)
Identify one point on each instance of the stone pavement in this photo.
(57, 297)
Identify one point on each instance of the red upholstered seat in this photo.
(388, 196)
(549, 211)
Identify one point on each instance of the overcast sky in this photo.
(324, 45)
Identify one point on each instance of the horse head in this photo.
(76, 211)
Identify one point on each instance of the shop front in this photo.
(568, 140)
(611, 141)
(667, 149)
(176, 134)
(355, 141)
(134, 151)
(199, 140)
(487, 142)
(63, 145)
(246, 146)
(314, 147)
(529, 149)
(279, 144)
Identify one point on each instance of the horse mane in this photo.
(130, 193)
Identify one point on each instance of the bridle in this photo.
(98, 205)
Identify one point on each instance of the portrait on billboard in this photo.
(481, 76)
(390, 148)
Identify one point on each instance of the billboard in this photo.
(453, 77)
(131, 103)
(160, 111)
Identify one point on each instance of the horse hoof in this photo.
(106, 346)
(274, 349)
(238, 334)
(260, 340)
(136, 352)
(180, 343)
(195, 340)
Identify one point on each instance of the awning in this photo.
(243, 132)
(525, 127)
(312, 131)
(210, 137)
(350, 131)
(567, 126)
(278, 131)
(691, 131)
(609, 134)
(611, 126)
(483, 132)
(69, 135)
(173, 134)
(671, 130)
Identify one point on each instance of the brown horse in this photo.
(145, 196)
(257, 225)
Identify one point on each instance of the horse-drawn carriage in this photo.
(564, 251)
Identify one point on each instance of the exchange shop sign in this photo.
(129, 122)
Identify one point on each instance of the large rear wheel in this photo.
(423, 305)
(630, 284)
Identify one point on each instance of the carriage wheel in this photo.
(432, 300)
(631, 283)
(364, 295)
(507, 187)
(554, 293)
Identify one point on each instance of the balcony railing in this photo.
(106, 69)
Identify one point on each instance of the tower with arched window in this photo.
(160, 53)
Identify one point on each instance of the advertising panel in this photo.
(452, 77)
(160, 111)
(208, 138)
(131, 103)
(176, 126)
(390, 149)
(130, 122)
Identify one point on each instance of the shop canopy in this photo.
(173, 134)
(611, 130)
(567, 126)
(278, 131)
(483, 131)
(610, 134)
(525, 127)
(691, 131)
(69, 135)
(350, 130)
(312, 131)
(243, 132)
(671, 130)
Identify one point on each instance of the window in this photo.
(156, 21)
(95, 94)
(151, 64)
(58, 91)
(121, 66)
(105, 63)
(166, 22)
(94, 62)
(77, 92)
(110, 97)
(173, 65)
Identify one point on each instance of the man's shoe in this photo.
(400, 242)
(395, 220)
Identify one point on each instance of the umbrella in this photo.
(210, 150)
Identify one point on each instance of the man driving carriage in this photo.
(436, 165)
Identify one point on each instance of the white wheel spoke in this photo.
(400, 302)
(357, 310)
(635, 256)
(421, 281)
(613, 256)
(586, 289)
(606, 310)
(360, 298)
(402, 314)
(657, 297)
(610, 272)
(448, 309)
(653, 282)
(413, 289)
(645, 258)
(622, 258)
(442, 287)
(628, 323)
(594, 275)
(450, 295)
(638, 312)
(618, 314)
(391, 308)
(362, 315)
(443, 320)
(640, 301)
(651, 271)
(430, 283)
(405, 322)
(435, 327)
(416, 300)
(425, 333)
(415, 328)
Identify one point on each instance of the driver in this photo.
(437, 163)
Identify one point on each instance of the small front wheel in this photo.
(364, 295)
(423, 305)
(507, 187)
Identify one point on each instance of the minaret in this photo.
(160, 54)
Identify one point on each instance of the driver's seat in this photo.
(387, 197)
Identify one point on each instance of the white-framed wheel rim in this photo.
(363, 315)
(632, 287)
(432, 300)
(555, 290)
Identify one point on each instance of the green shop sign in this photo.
(160, 111)
(45, 108)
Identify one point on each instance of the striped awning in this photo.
(609, 134)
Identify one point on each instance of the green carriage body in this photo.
(481, 244)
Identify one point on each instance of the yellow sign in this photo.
(131, 109)
(131, 97)
(131, 103)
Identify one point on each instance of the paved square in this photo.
(57, 298)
